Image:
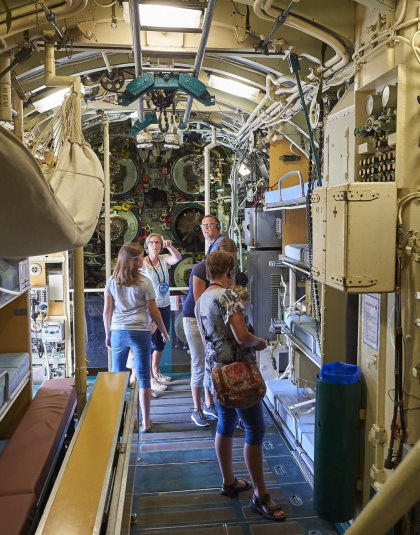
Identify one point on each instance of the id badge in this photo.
(163, 288)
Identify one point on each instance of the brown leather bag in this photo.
(238, 385)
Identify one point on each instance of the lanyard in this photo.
(213, 244)
(163, 286)
(154, 269)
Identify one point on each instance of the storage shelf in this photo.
(9, 298)
(8, 403)
(294, 264)
(286, 205)
(301, 346)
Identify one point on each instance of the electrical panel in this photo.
(357, 235)
(53, 332)
(39, 299)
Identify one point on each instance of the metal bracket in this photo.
(168, 81)
(149, 118)
(377, 434)
(354, 282)
(365, 195)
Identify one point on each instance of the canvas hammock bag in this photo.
(238, 385)
(45, 214)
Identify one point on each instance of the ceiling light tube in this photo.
(233, 87)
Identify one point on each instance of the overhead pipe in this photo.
(264, 10)
(208, 17)
(135, 36)
(395, 498)
(30, 16)
(106, 61)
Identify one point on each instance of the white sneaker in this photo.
(163, 378)
(155, 385)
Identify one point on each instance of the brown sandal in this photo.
(233, 489)
(259, 505)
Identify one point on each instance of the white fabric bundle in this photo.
(45, 214)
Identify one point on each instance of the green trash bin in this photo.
(336, 441)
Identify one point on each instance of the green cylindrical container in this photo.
(336, 448)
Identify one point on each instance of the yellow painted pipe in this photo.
(79, 330)
(395, 498)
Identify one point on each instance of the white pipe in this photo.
(380, 394)
(396, 497)
(5, 91)
(30, 16)
(385, 33)
(207, 150)
(106, 61)
(107, 200)
(263, 9)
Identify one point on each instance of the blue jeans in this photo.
(139, 342)
(252, 418)
(157, 341)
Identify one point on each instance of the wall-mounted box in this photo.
(361, 237)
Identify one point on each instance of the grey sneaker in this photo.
(210, 411)
(199, 419)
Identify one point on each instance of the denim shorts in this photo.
(157, 341)
(252, 418)
(139, 343)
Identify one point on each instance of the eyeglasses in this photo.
(206, 225)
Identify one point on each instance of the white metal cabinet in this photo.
(361, 237)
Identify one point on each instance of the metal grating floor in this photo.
(174, 478)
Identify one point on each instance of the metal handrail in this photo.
(302, 188)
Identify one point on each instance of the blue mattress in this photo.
(17, 365)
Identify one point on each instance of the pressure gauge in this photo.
(373, 104)
(389, 96)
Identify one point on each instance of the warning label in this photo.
(371, 321)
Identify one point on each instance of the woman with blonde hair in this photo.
(156, 268)
(129, 298)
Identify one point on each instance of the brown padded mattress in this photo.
(27, 458)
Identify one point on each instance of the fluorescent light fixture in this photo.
(233, 87)
(244, 170)
(169, 17)
(54, 99)
(51, 101)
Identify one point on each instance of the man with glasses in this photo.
(210, 227)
